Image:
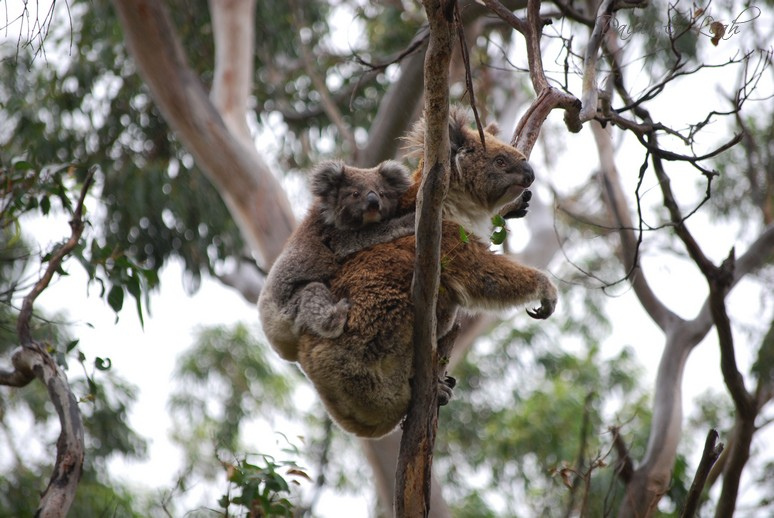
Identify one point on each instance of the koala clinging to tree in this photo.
(352, 210)
(364, 376)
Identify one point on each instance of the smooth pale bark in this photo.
(232, 30)
(252, 194)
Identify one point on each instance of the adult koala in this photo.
(364, 376)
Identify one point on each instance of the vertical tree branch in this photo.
(619, 210)
(711, 452)
(232, 31)
(590, 94)
(412, 488)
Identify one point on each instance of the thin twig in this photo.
(468, 75)
(76, 226)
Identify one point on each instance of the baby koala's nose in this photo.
(372, 200)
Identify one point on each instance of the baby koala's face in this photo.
(364, 198)
(352, 197)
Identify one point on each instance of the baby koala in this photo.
(353, 209)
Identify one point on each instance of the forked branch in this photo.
(32, 360)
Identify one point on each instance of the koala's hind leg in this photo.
(319, 313)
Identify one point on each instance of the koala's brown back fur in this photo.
(363, 377)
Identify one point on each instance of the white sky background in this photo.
(146, 357)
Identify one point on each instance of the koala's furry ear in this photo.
(327, 177)
(458, 121)
(492, 128)
(395, 174)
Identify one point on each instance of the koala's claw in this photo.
(334, 324)
(445, 392)
(545, 310)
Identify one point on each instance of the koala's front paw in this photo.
(333, 326)
(519, 210)
(547, 301)
(546, 309)
(445, 390)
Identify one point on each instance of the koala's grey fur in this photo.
(353, 209)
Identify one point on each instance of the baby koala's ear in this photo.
(327, 178)
(396, 175)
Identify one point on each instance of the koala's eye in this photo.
(355, 194)
(500, 161)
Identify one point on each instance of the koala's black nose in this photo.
(526, 170)
(372, 200)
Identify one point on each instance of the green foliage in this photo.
(226, 384)
(97, 495)
(464, 238)
(93, 110)
(29, 189)
(525, 407)
(500, 232)
(473, 505)
(390, 25)
(763, 368)
(106, 402)
(745, 184)
(224, 378)
(262, 486)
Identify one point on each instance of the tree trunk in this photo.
(412, 483)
